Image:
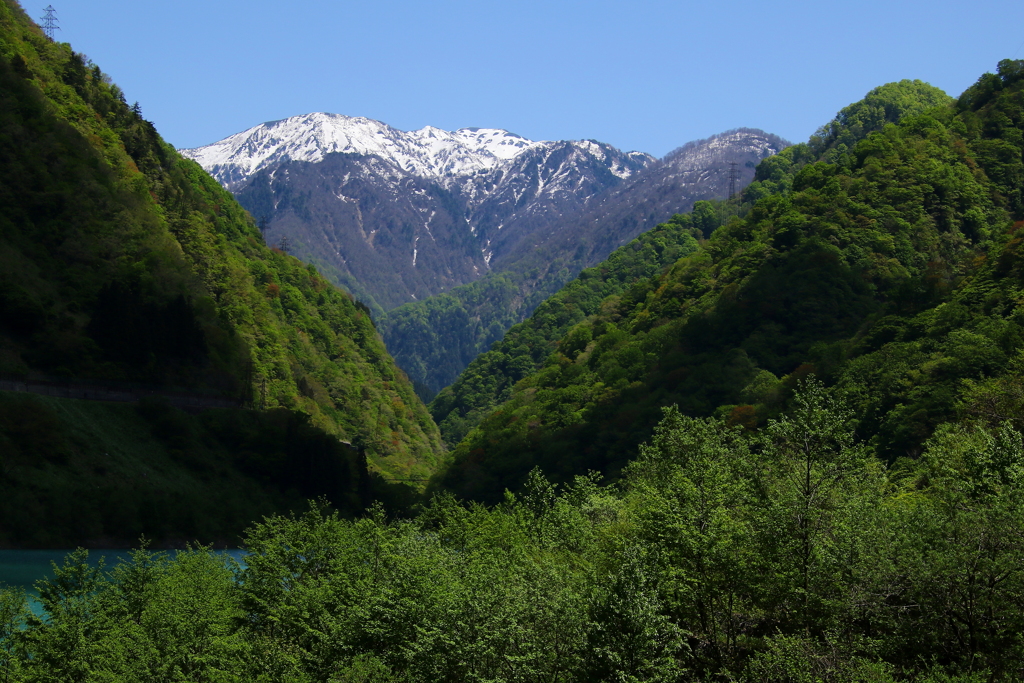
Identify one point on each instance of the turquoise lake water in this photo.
(22, 568)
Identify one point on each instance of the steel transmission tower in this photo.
(49, 22)
(734, 175)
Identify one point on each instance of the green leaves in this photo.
(151, 618)
(125, 262)
(888, 103)
(14, 616)
(782, 554)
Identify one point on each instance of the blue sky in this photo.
(646, 75)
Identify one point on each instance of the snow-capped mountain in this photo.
(429, 152)
(555, 249)
(698, 170)
(398, 216)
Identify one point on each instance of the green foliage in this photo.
(120, 260)
(152, 618)
(787, 554)
(13, 617)
(884, 267)
(489, 379)
(887, 103)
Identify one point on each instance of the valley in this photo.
(481, 407)
(458, 236)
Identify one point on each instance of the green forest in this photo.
(490, 377)
(777, 438)
(884, 269)
(787, 554)
(123, 264)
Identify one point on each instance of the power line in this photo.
(49, 22)
(734, 175)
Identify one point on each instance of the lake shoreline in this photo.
(113, 543)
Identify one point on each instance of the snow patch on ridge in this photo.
(429, 152)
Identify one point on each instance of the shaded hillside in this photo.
(123, 261)
(99, 474)
(434, 339)
(848, 267)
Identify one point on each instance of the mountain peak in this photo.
(429, 152)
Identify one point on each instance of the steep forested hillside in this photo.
(436, 338)
(490, 377)
(871, 263)
(121, 261)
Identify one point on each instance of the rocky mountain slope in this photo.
(402, 217)
(698, 170)
(397, 216)
(434, 339)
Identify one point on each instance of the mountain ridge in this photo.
(429, 152)
(395, 219)
(434, 339)
(400, 218)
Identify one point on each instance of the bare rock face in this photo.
(399, 216)
(698, 170)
